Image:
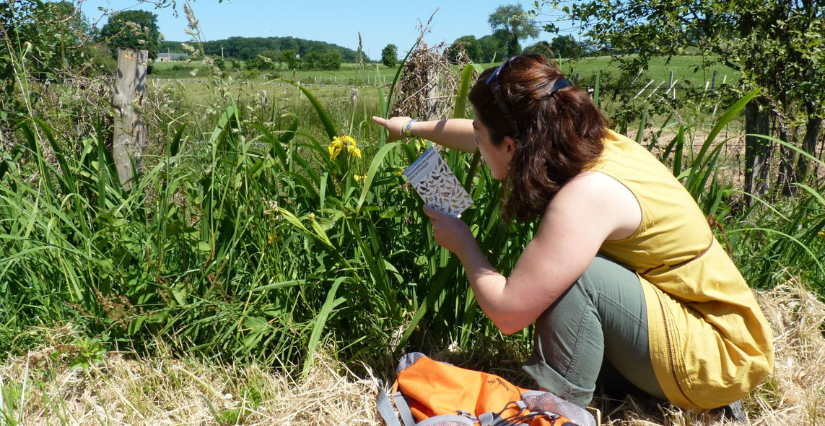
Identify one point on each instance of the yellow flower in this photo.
(335, 148)
(339, 143)
(358, 178)
(312, 217)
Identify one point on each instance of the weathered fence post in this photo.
(758, 151)
(127, 99)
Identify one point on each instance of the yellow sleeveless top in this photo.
(709, 341)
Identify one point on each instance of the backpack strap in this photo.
(493, 418)
(385, 402)
(486, 419)
(385, 409)
(403, 409)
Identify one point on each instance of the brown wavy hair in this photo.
(557, 136)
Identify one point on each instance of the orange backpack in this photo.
(434, 393)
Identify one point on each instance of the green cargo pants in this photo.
(600, 319)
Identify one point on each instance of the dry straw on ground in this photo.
(166, 390)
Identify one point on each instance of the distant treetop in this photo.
(245, 48)
(135, 29)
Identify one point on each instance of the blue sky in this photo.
(339, 22)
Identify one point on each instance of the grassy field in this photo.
(686, 68)
(349, 73)
(688, 75)
(651, 108)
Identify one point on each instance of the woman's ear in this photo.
(509, 145)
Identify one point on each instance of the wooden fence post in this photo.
(758, 151)
(127, 99)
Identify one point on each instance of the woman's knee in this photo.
(569, 342)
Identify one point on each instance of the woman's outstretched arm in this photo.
(455, 133)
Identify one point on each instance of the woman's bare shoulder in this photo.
(602, 199)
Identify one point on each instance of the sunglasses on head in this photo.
(492, 81)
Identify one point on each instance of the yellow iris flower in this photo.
(340, 143)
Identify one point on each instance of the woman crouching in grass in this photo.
(624, 273)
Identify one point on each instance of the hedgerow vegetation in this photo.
(245, 240)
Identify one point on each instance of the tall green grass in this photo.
(784, 237)
(254, 243)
